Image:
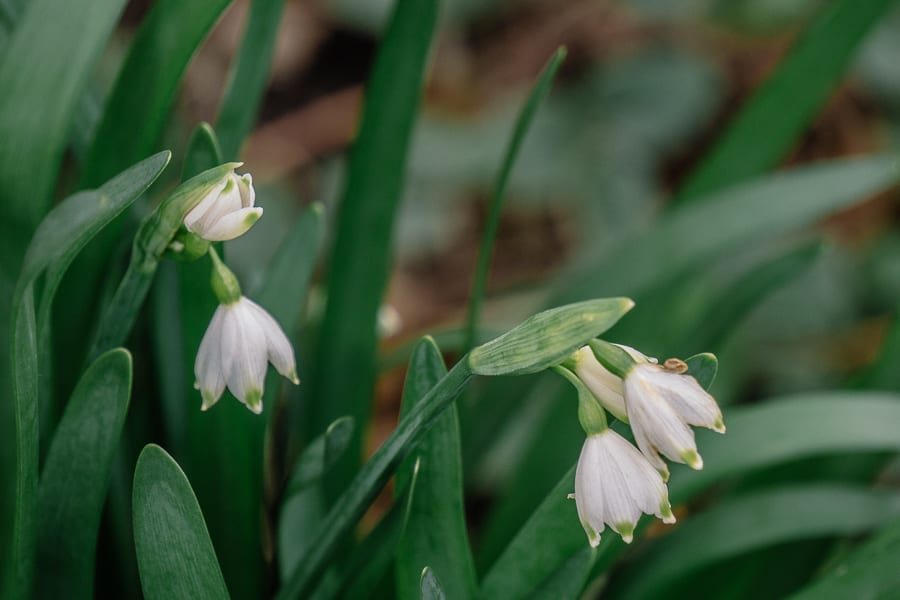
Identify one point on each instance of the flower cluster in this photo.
(242, 338)
(614, 481)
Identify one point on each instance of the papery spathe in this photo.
(240, 340)
(227, 211)
(662, 404)
(614, 485)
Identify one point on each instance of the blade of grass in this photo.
(479, 281)
(360, 256)
(436, 532)
(248, 77)
(175, 555)
(76, 475)
(770, 122)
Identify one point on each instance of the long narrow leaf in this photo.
(436, 533)
(362, 247)
(772, 120)
(75, 477)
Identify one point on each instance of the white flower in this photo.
(662, 403)
(614, 485)
(241, 338)
(604, 385)
(227, 211)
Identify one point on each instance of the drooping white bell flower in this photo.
(239, 342)
(227, 211)
(604, 385)
(614, 485)
(662, 403)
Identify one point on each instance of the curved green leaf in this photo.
(175, 555)
(774, 432)
(58, 239)
(429, 586)
(770, 122)
(319, 455)
(736, 216)
(75, 477)
(436, 532)
(869, 572)
(485, 251)
(248, 77)
(362, 246)
(756, 521)
(147, 82)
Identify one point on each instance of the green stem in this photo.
(351, 505)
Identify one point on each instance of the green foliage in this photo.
(175, 556)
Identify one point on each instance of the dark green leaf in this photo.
(703, 367)
(756, 521)
(429, 587)
(436, 533)
(868, 573)
(175, 556)
(75, 477)
(770, 122)
(362, 247)
(320, 455)
(247, 80)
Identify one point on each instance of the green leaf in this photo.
(436, 533)
(523, 123)
(869, 572)
(362, 247)
(756, 521)
(703, 367)
(75, 477)
(247, 80)
(147, 83)
(547, 338)
(290, 271)
(770, 122)
(430, 588)
(371, 559)
(773, 433)
(569, 579)
(320, 455)
(735, 217)
(175, 555)
(351, 505)
(44, 70)
(58, 239)
(550, 536)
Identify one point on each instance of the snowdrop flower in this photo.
(604, 385)
(662, 402)
(614, 485)
(241, 338)
(227, 211)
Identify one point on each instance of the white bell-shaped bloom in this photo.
(227, 211)
(241, 338)
(662, 405)
(604, 385)
(614, 485)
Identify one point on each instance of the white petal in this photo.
(244, 353)
(606, 387)
(208, 372)
(202, 207)
(233, 224)
(279, 350)
(695, 405)
(245, 188)
(655, 423)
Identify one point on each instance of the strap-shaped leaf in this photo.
(175, 555)
(436, 533)
(75, 477)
